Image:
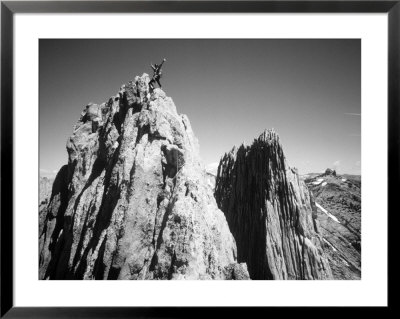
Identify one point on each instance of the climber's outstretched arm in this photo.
(162, 62)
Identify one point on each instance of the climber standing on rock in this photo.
(157, 74)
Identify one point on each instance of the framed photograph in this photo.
(160, 155)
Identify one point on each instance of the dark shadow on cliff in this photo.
(107, 206)
(60, 187)
(243, 185)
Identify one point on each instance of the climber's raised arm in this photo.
(162, 62)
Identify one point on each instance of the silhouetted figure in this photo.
(157, 74)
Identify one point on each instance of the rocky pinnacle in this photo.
(133, 201)
(270, 212)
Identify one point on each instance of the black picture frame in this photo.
(9, 8)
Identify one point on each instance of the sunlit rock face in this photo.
(133, 201)
(338, 201)
(270, 212)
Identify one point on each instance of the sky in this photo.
(308, 90)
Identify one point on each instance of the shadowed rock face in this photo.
(270, 213)
(133, 202)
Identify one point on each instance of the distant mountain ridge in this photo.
(338, 201)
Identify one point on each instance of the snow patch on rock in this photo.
(329, 244)
(327, 213)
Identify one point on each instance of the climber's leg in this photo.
(151, 84)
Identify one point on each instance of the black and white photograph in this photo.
(199, 159)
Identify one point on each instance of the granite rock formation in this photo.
(133, 201)
(338, 202)
(270, 212)
(329, 171)
(45, 186)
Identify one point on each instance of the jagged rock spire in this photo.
(270, 212)
(133, 201)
